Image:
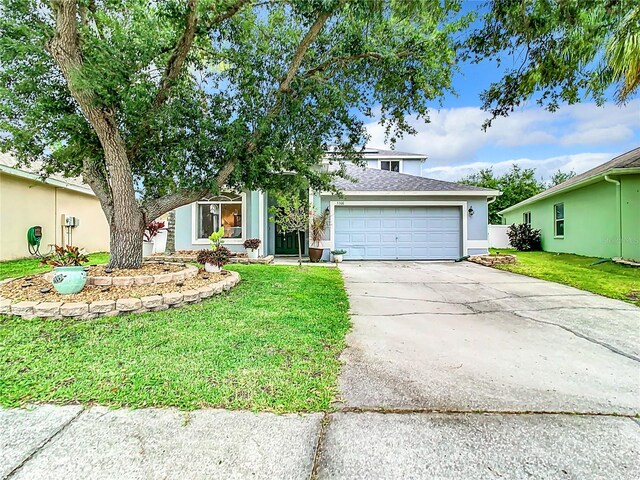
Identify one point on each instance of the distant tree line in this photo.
(516, 185)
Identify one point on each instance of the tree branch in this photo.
(344, 60)
(179, 55)
(152, 209)
(303, 47)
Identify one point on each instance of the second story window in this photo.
(391, 165)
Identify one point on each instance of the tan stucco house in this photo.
(26, 201)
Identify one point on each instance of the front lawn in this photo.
(272, 343)
(608, 279)
(31, 266)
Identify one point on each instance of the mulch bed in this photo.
(146, 269)
(37, 289)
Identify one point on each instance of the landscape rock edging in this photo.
(99, 308)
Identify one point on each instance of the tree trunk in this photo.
(126, 243)
(299, 250)
(171, 233)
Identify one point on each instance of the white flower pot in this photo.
(337, 258)
(252, 253)
(211, 268)
(147, 249)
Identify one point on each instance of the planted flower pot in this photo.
(337, 258)
(147, 249)
(211, 268)
(315, 254)
(68, 280)
(252, 253)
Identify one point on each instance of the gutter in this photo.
(618, 208)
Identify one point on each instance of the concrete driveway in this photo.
(463, 371)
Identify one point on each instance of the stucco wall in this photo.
(630, 192)
(26, 203)
(591, 221)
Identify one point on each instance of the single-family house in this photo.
(596, 213)
(67, 211)
(387, 211)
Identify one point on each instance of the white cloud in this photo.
(546, 167)
(455, 137)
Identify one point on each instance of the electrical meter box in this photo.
(37, 232)
(71, 221)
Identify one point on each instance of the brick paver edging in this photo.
(491, 260)
(99, 308)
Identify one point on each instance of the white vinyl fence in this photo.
(498, 236)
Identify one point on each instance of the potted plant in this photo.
(337, 255)
(252, 245)
(317, 227)
(213, 260)
(149, 234)
(69, 274)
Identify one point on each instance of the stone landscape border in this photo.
(190, 271)
(491, 260)
(100, 308)
(191, 258)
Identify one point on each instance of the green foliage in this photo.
(558, 51)
(216, 239)
(227, 103)
(524, 238)
(65, 256)
(561, 177)
(291, 214)
(516, 185)
(272, 343)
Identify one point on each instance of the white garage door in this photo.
(399, 233)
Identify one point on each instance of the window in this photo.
(558, 216)
(215, 212)
(526, 218)
(392, 165)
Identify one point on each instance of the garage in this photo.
(399, 232)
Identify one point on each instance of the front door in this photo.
(287, 243)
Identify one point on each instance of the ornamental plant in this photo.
(205, 256)
(252, 243)
(218, 257)
(152, 230)
(65, 256)
(317, 226)
(216, 239)
(524, 238)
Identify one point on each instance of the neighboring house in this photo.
(596, 213)
(26, 201)
(385, 214)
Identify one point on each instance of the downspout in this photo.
(618, 208)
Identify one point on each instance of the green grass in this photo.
(272, 343)
(30, 266)
(608, 279)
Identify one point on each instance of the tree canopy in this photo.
(559, 51)
(516, 185)
(156, 104)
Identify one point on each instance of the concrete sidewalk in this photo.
(52, 442)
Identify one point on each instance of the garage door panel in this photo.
(417, 232)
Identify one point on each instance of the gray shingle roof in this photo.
(630, 159)
(374, 180)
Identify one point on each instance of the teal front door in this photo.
(287, 243)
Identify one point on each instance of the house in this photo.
(27, 200)
(596, 213)
(387, 211)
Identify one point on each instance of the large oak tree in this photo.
(156, 104)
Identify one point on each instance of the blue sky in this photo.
(576, 137)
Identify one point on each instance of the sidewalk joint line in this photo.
(410, 411)
(324, 424)
(42, 445)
